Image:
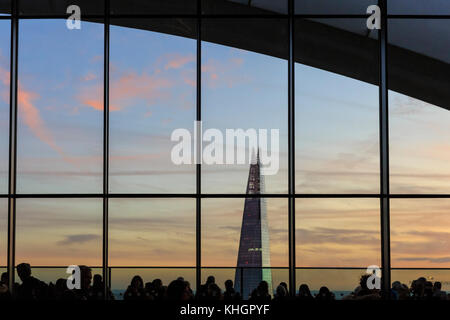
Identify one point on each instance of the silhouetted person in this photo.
(324, 294)
(159, 292)
(202, 292)
(85, 291)
(210, 280)
(438, 294)
(418, 288)
(5, 293)
(284, 284)
(97, 289)
(135, 290)
(177, 291)
(261, 293)
(31, 287)
(230, 294)
(281, 293)
(188, 285)
(60, 290)
(304, 293)
(214, 292)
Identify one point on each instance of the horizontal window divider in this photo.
(230, 267)
(419, 196)
(227, 16)
(59, 16)
(224, 195)
(418, 16)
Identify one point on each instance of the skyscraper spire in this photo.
(254, 250)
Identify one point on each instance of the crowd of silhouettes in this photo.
(179, 290)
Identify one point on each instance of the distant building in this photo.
(254, 247)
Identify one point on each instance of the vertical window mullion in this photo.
(12, 143)
(291, 150)
(198, 166)
(105, 265)
(384, 155)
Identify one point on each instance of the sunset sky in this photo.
(153, 92)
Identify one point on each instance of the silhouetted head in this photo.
(228, 284)
(97, 283)
(157, 283)
(284, 284)
(324, 292)
(61, 285)
(86, 277)
(363, 281)
(303, 291)
(263, 287)
(437, 286)
(137, 282)
(210, 280)
(281, 291)
(24, 271)
(4, 277)
(177, 291)
(396, 285)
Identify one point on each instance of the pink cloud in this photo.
(30, 114)
(220, 73)
(177, 61)
(124, 89)
(90, 76)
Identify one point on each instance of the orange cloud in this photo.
(221, 73)
(33, 120)
(90, 76)
(30, 114)
(124, 89)
(128, 86)
(177, 61)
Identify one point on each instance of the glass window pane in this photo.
(121, 278)
(152, 93)
(407, 276)
(5, 7)
(59, 232)
(221, 275)
(332, 6)
(433, 7)
(222, 230)
(5, 33)
(245, 89)
(3, 232)
(60, 103)
(171, 7)
(236, 7)
(419, 103)
(152, 232)
(248, 233)
(45, 7)
(337, 232)
(341, 282)
(420, 236)
(336, 110)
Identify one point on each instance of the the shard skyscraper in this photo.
(254, 250)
